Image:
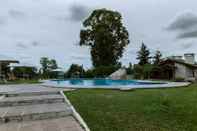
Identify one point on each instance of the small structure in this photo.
(4, 62)
(119, 74)
(184, 68)
(22, 70)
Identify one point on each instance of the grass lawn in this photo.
(33, 81)
(140, 110)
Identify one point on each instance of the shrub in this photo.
(179, 79)
(75, 71)
(89, 74)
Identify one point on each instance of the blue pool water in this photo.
(98, 82)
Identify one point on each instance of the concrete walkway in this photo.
(31, 107)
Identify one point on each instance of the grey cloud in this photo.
(186, 45)
(16, 13)
(2, 21)
(190, 34)
(185, 25)
(35, 43)
(21, 45)
(184, 21)
(25, 46)
(78, 12)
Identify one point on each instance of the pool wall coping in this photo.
(75, 113)
(130, 87)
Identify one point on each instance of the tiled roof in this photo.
(182, 62)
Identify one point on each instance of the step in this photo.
(34, 112)
(36, 93)
(31, 100)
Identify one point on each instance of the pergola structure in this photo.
(4, 63)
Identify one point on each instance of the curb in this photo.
(75, 113)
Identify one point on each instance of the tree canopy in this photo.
(143, 55)
(107, 37)
(157, 57)
(75, 70)
(47, 66)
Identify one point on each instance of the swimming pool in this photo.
(99, 82)
(110, 84)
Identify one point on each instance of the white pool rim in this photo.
(161, 84)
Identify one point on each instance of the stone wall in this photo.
(180, 71)
(183, 71)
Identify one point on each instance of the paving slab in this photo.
(61, 124)
(25, 88)
(33, 107)
(34, 112)
(25, 100)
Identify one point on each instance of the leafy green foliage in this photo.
(138, 72)
(143, 71)
(157, 58)
(147, 70)
(44, 61)
(107, 37)
(75, 71)
(143, 55)
(53, 64)
(129, 69)
(25, 72)
(47, 66)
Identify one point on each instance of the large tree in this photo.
(47, 66)
(107, 37)
(143, 55)
(53, 64)
(44, 61)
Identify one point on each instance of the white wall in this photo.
(180, 71)
(184, 72)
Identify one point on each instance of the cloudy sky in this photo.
(30, 29)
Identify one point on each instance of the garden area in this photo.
(171, 109)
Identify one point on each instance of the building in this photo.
(22, 70)
(184, 67)
(4, 69)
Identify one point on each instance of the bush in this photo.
(179, 79)
(75, 71)
(89, 74)
(129, 69)
(138, 72)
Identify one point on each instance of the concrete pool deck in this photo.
(32, 107)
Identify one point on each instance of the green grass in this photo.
(33, 81)
(140, 110)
